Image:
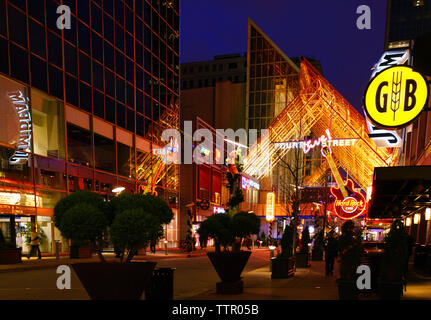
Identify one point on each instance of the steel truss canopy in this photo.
(318, 107)
(400, 191)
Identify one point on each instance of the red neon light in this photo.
(350, 207)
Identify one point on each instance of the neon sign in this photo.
(247, 183)
(324, 141)
(270, 204)
(24, 145)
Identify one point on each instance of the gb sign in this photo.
(395, 97)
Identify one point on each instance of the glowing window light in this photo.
(428, 214)
(408, 222)
(417, 218)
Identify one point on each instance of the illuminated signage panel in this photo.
(270, 204)
(396, 97)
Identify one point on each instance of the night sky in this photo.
(320, 29)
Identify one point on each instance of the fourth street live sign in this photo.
(396, 97)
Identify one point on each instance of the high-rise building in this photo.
(406, 20)
(83, 108)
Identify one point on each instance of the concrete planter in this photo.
(10, 256)
(390, 290)
(114, 281)
(302, 260)
(229, 266)
(282, 268)
(347, 289)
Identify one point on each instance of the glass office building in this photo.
(83, 108)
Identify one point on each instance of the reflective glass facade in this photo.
(85, 107)
(272, 79)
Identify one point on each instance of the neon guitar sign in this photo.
(348, 204)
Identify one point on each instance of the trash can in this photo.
(57, 249)
(161, 286)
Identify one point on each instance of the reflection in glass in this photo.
(126, 160)
(80, 178)
(104, 150)
(79, 145)
(48, 126)
(13, 172)
(15, 116)
(50, 173)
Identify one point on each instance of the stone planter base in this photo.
(347, 290)
(10, 256)
(390, 290)
(230, 287)
(282, 268)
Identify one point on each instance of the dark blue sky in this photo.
(319, 29)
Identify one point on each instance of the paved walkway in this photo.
(51, 262)
(307, 284)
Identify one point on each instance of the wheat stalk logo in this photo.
(396, 91)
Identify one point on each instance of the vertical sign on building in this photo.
(270, 204)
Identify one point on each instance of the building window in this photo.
(200, 69)
(233, 65)
(220, 67)
(200, 83)
(191, 84)
(125, 160)
(48, 126)
(15, 116)
(104, 152)
(79, 145)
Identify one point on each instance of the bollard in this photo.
(57, 249)
(166, 247)
(271, 255)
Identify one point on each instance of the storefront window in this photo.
(204, 182)
(50, 173)
(15, 129)
(48, 126)
(125, 160)
(104, 150)
(12, 171)
(48, 199)
(79, 145)
(14, 199)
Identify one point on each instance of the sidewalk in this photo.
(307, 284)
(48, 262)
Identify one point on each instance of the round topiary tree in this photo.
(287, 242)
(244, 224)
(133, 229)
(83, 223)
(218, 228)
(150, 204)
(305, 240)
(82, 197)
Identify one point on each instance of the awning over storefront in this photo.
(399, 191)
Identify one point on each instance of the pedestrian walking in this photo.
(34, 244)
(153, 246)
(194, 242)
(331, 252)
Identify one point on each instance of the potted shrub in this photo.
(82, 217)
(317, 252)
(302, 257)
(350, 251)
(393, 262)
(283, 265)
(228, 231)
(9, 253)
(140, 221)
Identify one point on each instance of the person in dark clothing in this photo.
(331, 248)
(410, 244)
(153, 246)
